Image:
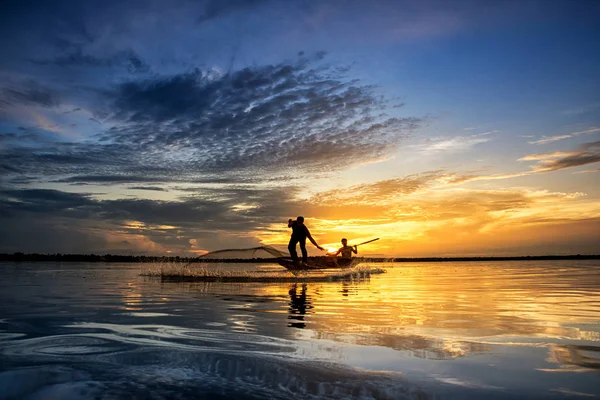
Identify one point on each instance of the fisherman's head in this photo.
(344, 241)
(300, 220)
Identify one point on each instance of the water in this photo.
(438, 330)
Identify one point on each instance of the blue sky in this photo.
(186, 126)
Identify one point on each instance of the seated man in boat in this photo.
(346, 250)
(299, 234)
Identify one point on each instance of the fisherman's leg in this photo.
(292, 249)
(304, 252)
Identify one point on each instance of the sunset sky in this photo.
(180, 127)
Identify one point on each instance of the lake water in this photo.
(422, 330)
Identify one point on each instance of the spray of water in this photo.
(210, 272)
(217, 266)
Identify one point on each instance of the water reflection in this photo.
(299, 304)
(432, 312)
(474, 326)
(575, 356)
(331, 324)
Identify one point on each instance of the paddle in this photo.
(368, 241)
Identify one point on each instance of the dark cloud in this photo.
(151, 188)
(288, 119)
(209, 207)
(587, 153)
(138, 118)
(8, 168)
(217, 8)
(77, 58)
(287, 115)
(209, 216)
(31, 93)
(40, 201)
(49, 235)
(110, 179)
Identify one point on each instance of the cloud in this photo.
(211, 216)
(283, 119)
(545, 140)
(381, 192)
(217, 8)
(40, 201)
(587, 153)
(587, 171)
(399, 21)
(550, 139)
(127, 59)
(151, 188)
(419, 221)
(412, 208)
(160, 108)
(452, 144)
(112, 179)
(581, 110)
(30, 93)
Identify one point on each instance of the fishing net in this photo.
(255, 264)
(261, 252)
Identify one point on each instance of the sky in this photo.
(445, 128)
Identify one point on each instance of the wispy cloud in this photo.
(549, 139)
(587, 171)
(581, 110)
(453, 144)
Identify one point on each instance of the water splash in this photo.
(222, 272)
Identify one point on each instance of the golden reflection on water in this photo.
(433, 311)
(443, 311)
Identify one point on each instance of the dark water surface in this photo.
(437, 330)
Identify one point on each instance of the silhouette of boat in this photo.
(315, 263)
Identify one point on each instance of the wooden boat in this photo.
(315, 263)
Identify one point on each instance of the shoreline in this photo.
(110, 258)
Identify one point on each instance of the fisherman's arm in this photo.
(355, 249)
(308, 235)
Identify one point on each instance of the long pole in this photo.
(368, 241)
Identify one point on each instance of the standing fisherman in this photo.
(299, 234)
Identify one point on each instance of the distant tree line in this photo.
(117, 258)
(58, 257)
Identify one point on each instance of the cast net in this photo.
(260, 252)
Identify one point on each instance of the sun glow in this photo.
(443, 220)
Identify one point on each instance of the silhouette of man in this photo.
(346, 250)
(299, 234)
